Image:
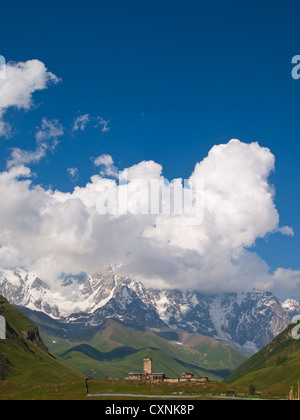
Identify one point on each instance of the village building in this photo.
(148, 376)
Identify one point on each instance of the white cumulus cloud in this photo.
(107, 167)
(47, 138)
(21, 81)
(53, 232)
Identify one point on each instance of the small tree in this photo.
(252, 389)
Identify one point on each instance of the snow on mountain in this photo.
(248, 321)
(291, 306)
(27, 290)
(78, 293)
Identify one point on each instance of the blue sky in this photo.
(173, 78)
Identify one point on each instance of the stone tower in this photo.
(147, 366)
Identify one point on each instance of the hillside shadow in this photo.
(95, 354)
(117, 355)
(223, 373)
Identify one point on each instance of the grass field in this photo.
(69, 391)
(78, 390)
(186, 389)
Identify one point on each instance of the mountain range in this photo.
(81, 304)
(28, 367)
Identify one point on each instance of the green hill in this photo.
(24, 358)
(117, 349)
(274, 369)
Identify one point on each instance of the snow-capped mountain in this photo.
(291, 306)
(247, 321)
(27, 290)
(79, 293)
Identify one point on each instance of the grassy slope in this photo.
(24, 358)
(117, 350)
(120, 367)
(274, 369)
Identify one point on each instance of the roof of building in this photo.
(156, 373)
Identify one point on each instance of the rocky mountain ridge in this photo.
(247, 321)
